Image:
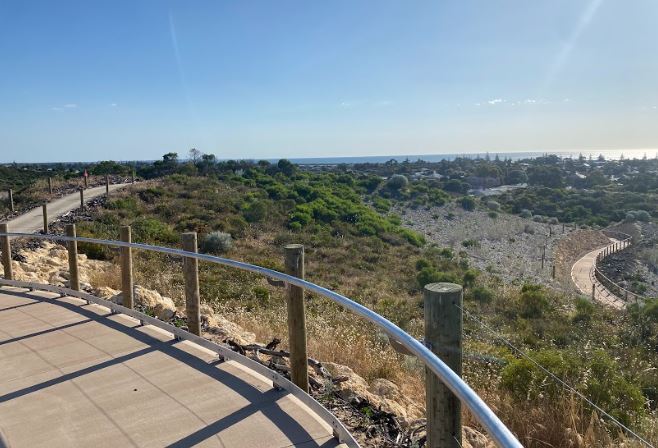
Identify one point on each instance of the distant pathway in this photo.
(32, 221)
(582, 274)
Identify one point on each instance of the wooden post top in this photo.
(443, 288)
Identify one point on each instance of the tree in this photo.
(195, 155)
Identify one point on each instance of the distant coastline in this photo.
(609, 154)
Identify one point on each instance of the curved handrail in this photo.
(500, 434)
(625, 239)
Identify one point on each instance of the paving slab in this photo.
(73, 374)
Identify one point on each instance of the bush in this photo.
(638, 215)
(397, 182)
(553, 221)
(216, 243)
(493, 205)
(469, 277)
(584, 310)
(422, 264)
(538, 218)
(470, 243)
(482, 294)
(492, 215)
(431, 275)
(525, 213)
(533, 303)
(255, 212)
(467, 203)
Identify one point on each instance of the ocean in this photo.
(609, 154)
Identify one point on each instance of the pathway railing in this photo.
(438, 371)
(624, 240)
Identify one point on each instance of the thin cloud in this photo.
(68, 106)
(113, 104)
(71, 106)
(496, 101)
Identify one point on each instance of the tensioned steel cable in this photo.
(553, 376)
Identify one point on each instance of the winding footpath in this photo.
(582, 274)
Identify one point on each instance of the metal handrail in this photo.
(500, 434)
(607, 282)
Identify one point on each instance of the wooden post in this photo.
(553, 274)
(82, 199)
(45, 218)
(294, 263)
(5, 246)
(191, 274)
(593, 291)
(50, 185)
(74, 277)
(543, 257)
(443, 334)
(86, 182)
(126, 269)
(132, 176)
(107, 184)
(11, 200)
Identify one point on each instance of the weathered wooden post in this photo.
(82, 199)
(11, 200)
(191, 274)
(50, 185)
(294, 263)
(45, 217)
(85, 178)
(5, 246)
(74, 276)
(594, 290)
(553, 273)
(126, 269)
(107, 184)
(443, 334)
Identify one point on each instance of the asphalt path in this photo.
(32, 221)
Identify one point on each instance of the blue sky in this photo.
(91, 80)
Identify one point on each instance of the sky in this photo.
(134, 79)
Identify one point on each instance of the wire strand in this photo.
(554, 377)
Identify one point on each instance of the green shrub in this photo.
(216, 243)
(467, 203)
(492, 215)
(151, 230)
(525, 213)
(397, 182)
(431, 275)
(482, 294)
(422, 263)
(533, 302)
(493, 205)
(255, 211)
(469, 277)
(584, 310)
(470, 243)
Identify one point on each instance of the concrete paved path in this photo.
(32, 221)
(582, 274)
(73, 374)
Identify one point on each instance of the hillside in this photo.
(371, 257)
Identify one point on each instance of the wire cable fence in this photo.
(497, 336)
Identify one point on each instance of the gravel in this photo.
(507, 246)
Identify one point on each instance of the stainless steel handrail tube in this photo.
(500, 434)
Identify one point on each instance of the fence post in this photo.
(593, 291)
(11, 200)
(82, 199)
(74, 277)
(191, 274)
(6, 252)
(443, 334)
(553, 274)
(107, 184)
(126, 269)
(294, 263)
(50, 185)
(132, 176)
(45, 218)
(86, 182)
